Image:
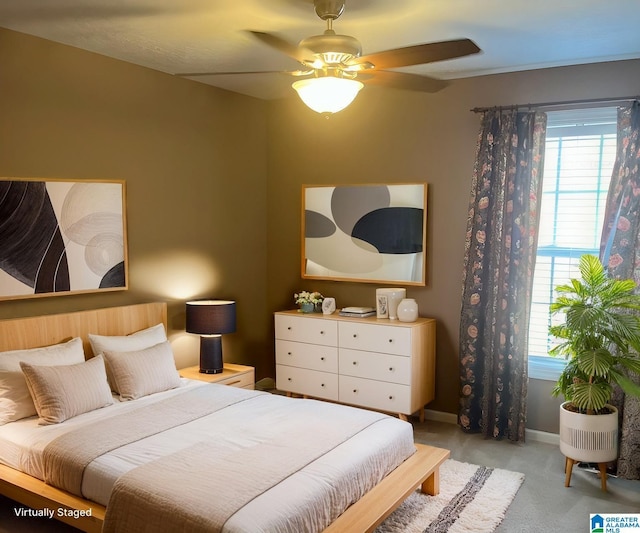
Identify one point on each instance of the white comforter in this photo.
(302, 502)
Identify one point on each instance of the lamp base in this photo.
(211, 354)
(208, 371)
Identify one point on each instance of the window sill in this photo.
(546, 368)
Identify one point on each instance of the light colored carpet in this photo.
(472, 499)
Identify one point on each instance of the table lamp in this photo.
(211, 319)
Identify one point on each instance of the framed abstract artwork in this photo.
(61, 237)
(367, 233)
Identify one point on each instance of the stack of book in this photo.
(357, 312)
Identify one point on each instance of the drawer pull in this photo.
(289, 379)
(322, 333)
(390, 369)
(355, 363)
(390, 340)
(391, 397)
(355, 335)
(322, 359)
(288, 353)
(231, 383)
(355, 391)
(289, 328)
(322, 385)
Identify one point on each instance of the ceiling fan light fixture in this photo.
(327, 94)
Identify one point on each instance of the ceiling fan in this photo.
(333, 65)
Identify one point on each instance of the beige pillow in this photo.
(143, 372)
(128, 343)
(62, 392)
(15, 400)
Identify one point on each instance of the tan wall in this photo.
(213, 181)
(194, 161)
(398, 136)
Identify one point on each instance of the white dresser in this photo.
(377, 363)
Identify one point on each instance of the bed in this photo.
(272, 472)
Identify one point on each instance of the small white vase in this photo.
(407, 310)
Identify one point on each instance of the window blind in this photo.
(580, 151)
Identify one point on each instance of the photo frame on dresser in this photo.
(60, 237)
(373, 233)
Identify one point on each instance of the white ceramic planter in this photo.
(589, 438)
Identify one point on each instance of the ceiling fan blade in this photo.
(420, 54)
(358, 67)
(402, 80)
(280, 44)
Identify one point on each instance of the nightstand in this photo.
(234, 375)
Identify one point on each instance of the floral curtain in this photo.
(500, 251)
(620, 251)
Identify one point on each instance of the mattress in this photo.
(302, 501)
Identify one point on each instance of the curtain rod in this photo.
(593, 102)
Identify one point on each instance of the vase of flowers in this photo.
(309, 302)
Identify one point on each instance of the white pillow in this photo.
(128, 343)
(15, 400)
(143, 372)
(62, 392)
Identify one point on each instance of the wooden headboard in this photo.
(37, 331)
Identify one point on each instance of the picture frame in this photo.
(61, 237)
(372, 233)
(382, 305)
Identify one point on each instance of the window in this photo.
(579, 155)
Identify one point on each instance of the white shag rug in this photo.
(472, 499)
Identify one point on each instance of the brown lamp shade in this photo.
(211, 317)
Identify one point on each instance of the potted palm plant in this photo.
(600, 338)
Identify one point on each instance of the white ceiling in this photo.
(207, 35)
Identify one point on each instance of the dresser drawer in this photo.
(302, 355)
(371, 365)
(390, 397)
(308, 330)
(307, 382)
(375, 338)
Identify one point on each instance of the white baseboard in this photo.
(543, 436)
(532, 435)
